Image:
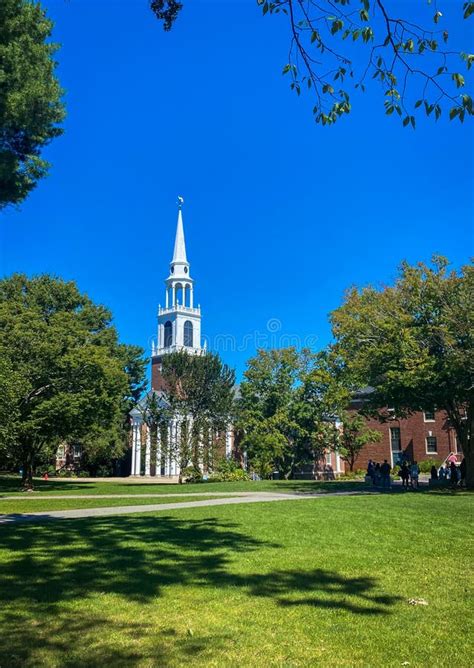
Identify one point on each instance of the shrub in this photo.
(227, 470)
(425, 465)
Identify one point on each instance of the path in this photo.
(253, 497)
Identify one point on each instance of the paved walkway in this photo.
(253, 497)
(50, 497)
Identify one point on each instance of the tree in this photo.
(337, 45)
(199, 391)
(413, 344)
(354, 436)
(287, 409)
(30, 97)
(63, 374)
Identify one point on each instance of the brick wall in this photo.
(156, 377)
(414, 431)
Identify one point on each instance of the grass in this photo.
(295, 583)
(10, 486)
(34, 505)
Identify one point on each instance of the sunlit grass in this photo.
(315, 582)
(35, 505)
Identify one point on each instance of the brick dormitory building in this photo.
(420, 436)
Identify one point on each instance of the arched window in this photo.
(168, 334)
(179, 294)
(188, 334)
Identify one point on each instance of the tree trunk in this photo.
(468, 452)
(27, 476)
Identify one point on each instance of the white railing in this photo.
(179, 307)
(172, 349)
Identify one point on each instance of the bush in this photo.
(425, 466)
(227, 470)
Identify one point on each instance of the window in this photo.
(458, 445)
(168, 334)
(431, 445)
(328, 458)
(60, 454)
(188, 334)
(429, 416)
(395, 445)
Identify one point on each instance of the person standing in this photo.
(414, 474)
(454, 474)
(462, 471)
(404, 475)
(385, 473)
(377, 474)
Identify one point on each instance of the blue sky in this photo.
(281, 215)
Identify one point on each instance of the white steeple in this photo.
(179, 254)
(179, 322)
(179, 267)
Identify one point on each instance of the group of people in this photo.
(380, 473)
(456, 474)
(410, 473)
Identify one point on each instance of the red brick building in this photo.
(423, 435)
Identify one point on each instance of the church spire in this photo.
(179, 254)
(179, 263)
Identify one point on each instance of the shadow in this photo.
(322, 589)
(53, 574)
(65, 637)
(12, 484)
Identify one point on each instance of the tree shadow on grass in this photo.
(84, 642)
(323, 589)
(50, 570)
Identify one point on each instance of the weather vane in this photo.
(180, 201)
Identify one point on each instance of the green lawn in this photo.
(35, 505)
(319, 582)
(10, 485)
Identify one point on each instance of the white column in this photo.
(147, 451)
(138, 453)
(134, 445)
(228, 443)
(191, 296)
(168, 453)
(158, 452)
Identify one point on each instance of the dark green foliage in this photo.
(30, 97)
(64, 375)
(199, 391)
(166, 11)
(227, 470)
(286, 414)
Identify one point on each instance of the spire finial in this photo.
(180, 202)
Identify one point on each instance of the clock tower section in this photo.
(179, 321)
